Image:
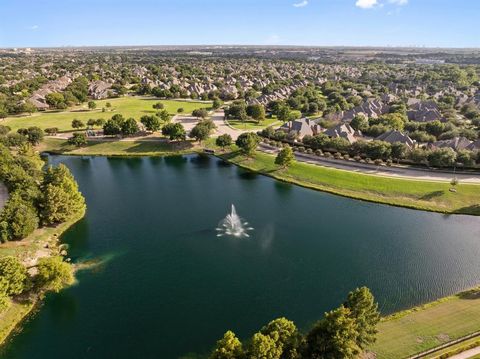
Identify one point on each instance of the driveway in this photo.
(467, 354)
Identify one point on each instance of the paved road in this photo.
(394, 172)
(467, 354)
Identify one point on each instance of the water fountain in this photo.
(232, 225)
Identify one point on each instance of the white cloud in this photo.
(301, 4)
(398, 2)
(273, 39)
(34, 27)
(367, 4)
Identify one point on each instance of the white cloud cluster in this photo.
(367, 4)
(301, 4)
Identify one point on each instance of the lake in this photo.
(168, 285)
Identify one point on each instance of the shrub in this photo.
(319, 152)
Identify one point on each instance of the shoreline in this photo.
(19, 311)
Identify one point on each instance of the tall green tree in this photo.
(285, 158)
(364, 310)
(54, 274)
(174, 131)
(14, 275)
(129, 127)
(151, 123)
(61, 198)
(333, 337)
(229, 347)
(248, 143)
(17, 219)
(200, 132)
(224, 140)
(264, 347)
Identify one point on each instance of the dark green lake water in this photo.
(170, 286)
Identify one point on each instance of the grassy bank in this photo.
(118, 148)
(28, 251)
(135, 107)
(416, 330)
(423, 195)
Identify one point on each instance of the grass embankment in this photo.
(135, 107)
(423, 195)
(253, 125)
(29, 250)
(413, 331)
(158, 147)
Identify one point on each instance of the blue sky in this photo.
(434, 23)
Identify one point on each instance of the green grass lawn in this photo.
(432, 196)
(118, 148)
(253, 125)
(135, 107)
(419, 329)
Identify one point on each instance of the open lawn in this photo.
(135, 107)
(154, 147)
(253, 125)
(416, 330)
(431, 196)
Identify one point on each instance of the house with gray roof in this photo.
(345, 131)
(456, 143)
(396, 136)
(301, 127)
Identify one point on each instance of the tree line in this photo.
(343, 333)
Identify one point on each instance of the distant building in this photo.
(456, 143)
(345, 131)
(396, 136)
(301, 127)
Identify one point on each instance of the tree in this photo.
(248, 143)
(158, 106)
(443, 157)
(78, 139)
(14, 274)
(55, 100)
(54, 274)
(108, 105)
(92, 105)
(151, 123)
(333, 337)
(200, 132)
(164, 115)
(17, 219)
(200, 113)
(237, 110)
(229, 347)
(359, 123)
(61, 198)
(129, 127)
(399, 150)
(76, 123)
(91, 122)
(364, 310)
(285, 158)
(4, 130)
(33, 134)
(217, 103)
(113, 126)
(174, 131)
(264, 347)
(29, 107)
(256, 111)
(224, 140)
(286, 337)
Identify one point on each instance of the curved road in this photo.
(394, 172)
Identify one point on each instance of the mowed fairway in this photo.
(135, 107)
(419, 329)
(432, 196)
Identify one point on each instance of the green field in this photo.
(253, 125)
(419, 329)
(159, 147)
(431, 196)
(135, 107)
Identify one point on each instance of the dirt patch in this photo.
(443, 337)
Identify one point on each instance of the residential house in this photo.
(396, 136)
